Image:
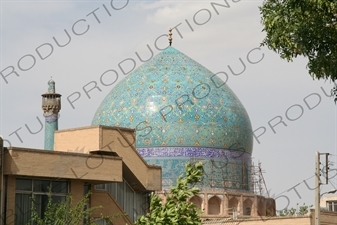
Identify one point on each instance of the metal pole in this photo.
(317, 191)
(327, 168)
(2, 180)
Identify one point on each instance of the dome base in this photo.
(224, 169)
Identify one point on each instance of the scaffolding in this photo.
(240, 175)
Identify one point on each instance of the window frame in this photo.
(33, 192)
(332, 205)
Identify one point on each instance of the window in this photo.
(197, 201)
(101, 222)
(233, 205)
(101, 187)
(27, 188)
(87, 188)
(133, 203)
(214, 205)
(247, 207)
(332, 205)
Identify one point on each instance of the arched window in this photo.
(214, 206)
(232, 204)
(196, 200)
(247, 207)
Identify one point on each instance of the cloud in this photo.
(174, 13)
(161, 3)
(163, 12)
(38, 9)
(153, 5)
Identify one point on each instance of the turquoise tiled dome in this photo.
(180, 111)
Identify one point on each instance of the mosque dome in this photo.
(183, 112)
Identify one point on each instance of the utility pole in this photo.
(318, 184)
(2, 213)
(318, 190)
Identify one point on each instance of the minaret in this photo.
(51, 105)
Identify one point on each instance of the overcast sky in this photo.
(106, 33)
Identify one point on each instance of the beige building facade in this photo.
(329, 203)
(106, 163)
(226, 204)
(102, 160)
(327, 218)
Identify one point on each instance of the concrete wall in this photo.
(110, 208)
(10, 204)
(264, 221)
(123, 143)
(80, 140)
(44, 163)
(108, 140)
(222, 206)
(326, 198)
(327, 218)
(83, 155)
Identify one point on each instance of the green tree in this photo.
(287, 212)
(176, 209)
(301, 211)
(307, 28)
(63, 213)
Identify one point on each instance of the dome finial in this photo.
(51, 85)
(170, 36)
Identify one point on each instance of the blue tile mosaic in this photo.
(181, 112)
(219, 173)
(51, 126)
(194, 152)
(174, 101)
